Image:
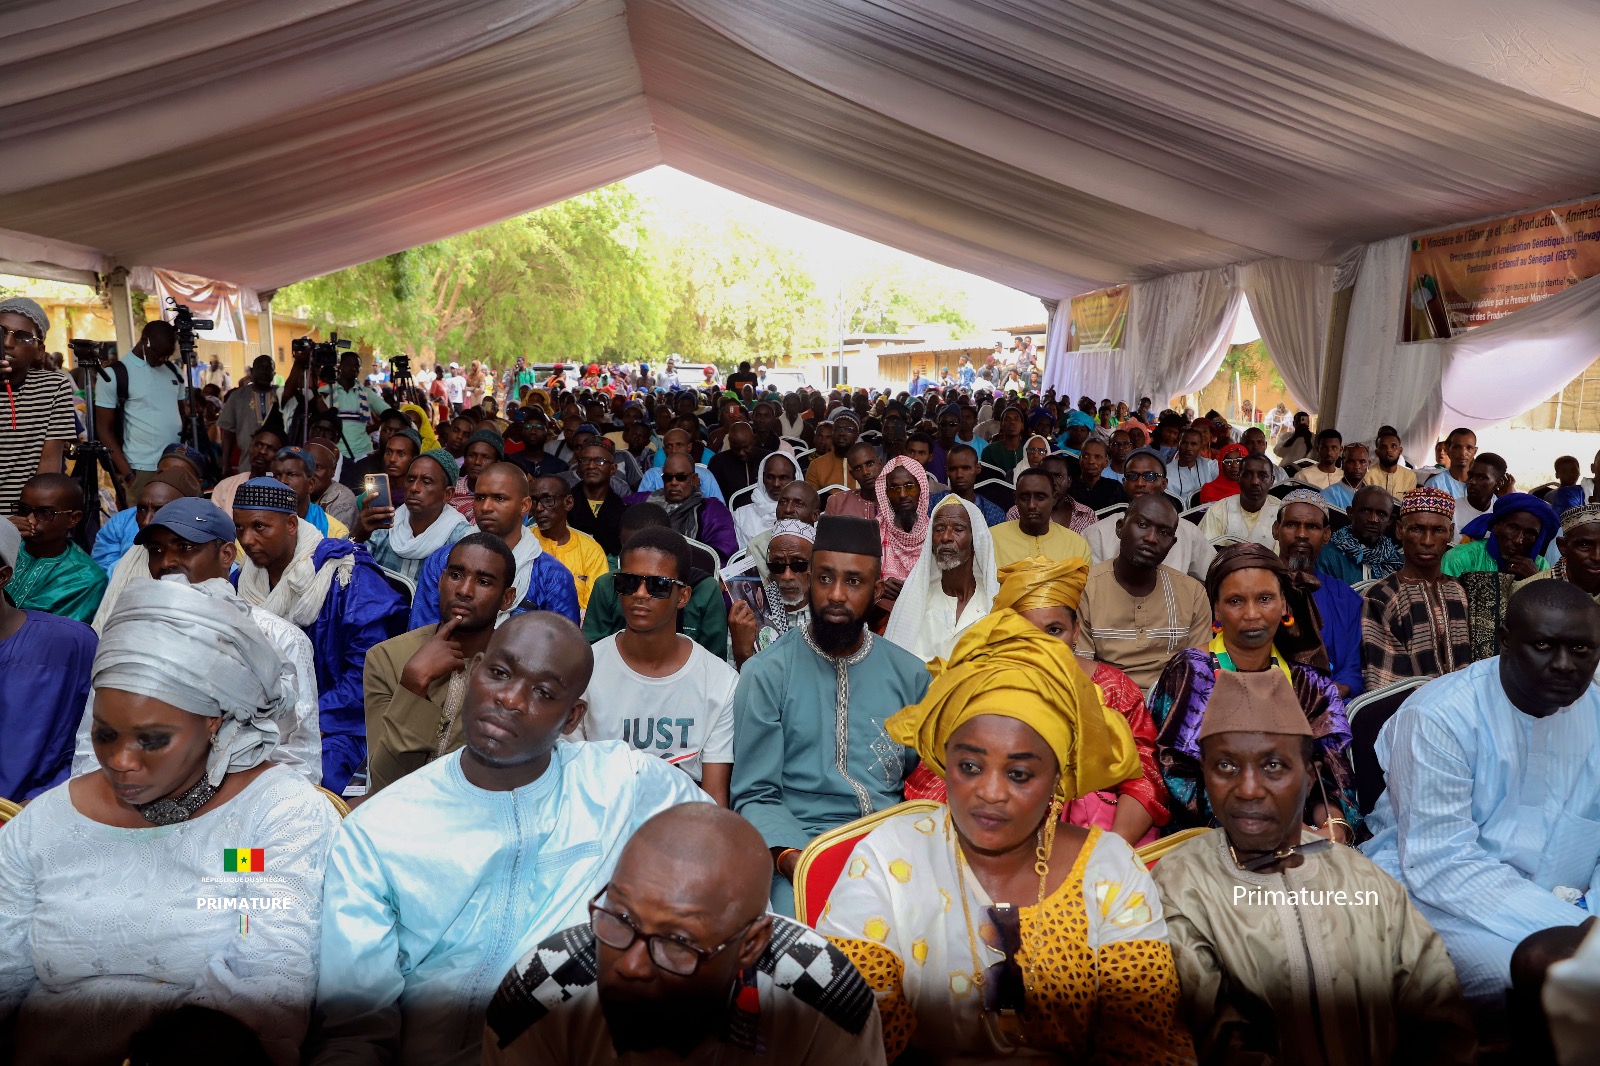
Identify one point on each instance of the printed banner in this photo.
(1097, 319)
(1465, 277)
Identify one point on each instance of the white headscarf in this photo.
(1023, 464)
(415, 547)
(300, 592)
(910, 624)
(195, 647)
(757, 516)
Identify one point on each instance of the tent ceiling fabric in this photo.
(1052, 145)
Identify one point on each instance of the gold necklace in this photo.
(1045, 844)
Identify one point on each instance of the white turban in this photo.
(196, 648)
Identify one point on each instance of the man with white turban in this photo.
(952, 585)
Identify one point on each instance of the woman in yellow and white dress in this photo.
(988, 927)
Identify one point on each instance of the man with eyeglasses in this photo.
(500, 505)
(440, 882)
(580, 553)
(680, 963)
(1145, 472)
(654, 687)
(598, 506)
(691, 513)
(36, 418)
(53, 574)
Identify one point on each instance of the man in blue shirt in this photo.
(1301, 530)
(152, 414)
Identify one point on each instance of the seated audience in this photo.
(402, 538)
(653, 687)
(174, 483)
(801, 769)
(680, 961)
(1568, 493)
(297, 468)
(1246, 517)
(1067, 510)
(333, 591)
(1493, 793)
(414, 683)
(51, 574)
(757, 514)
(1264, 624)
(1461, 447)
(797, 502)
(1390, 474)
(679, 441)
(1229, 460)
(1145, 472)
(1354, 463)
(1188, 468)
(1057, 944)
(866, 465)
(738, 465)
(1364, 550)
(119, 528)
(500, 506)
(45, 661)
(1033, 535)
(1301, 530)
(1136, 612)
(485, 447)
(1330, 445)
(1092, 488)
(1376, 973)
(580, 553)
(1579, 545)
(787, 591)
(1414, 622)
(704, 621)
(106, 916)
(688, 511)
(961, 472)
(952, 585)
(326, 491)
(1507, 546)
(828, 464)
(438, 884)
(600, 507)
(902, 491)
(265, 444)
(191, 538)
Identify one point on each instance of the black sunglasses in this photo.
(1151, 476)
(43, 514)
(659, 588)
(795, 566)
(676, 477)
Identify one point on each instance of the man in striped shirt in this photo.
(36, 412)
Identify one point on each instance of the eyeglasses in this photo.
(673, 478)
(672, 955)
(793, 566)
(1150, 477)
(1003, 987)
(593, 460)
(659, 588)
(548, 500)
(22, 335)
(1233, 462)
(38, 514)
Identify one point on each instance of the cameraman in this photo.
(36, 412)
(145, 392)
(357, 404)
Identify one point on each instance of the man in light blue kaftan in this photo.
(1491, 818)
(439, 883)
(810, 750)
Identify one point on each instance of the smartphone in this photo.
(749, 590)
(378, 493)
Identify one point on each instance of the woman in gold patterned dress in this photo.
(987, 927)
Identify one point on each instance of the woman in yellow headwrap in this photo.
(987, 927)
(424, 425)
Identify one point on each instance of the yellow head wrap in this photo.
(1003, 665)
(1038, 583)
(429, 440)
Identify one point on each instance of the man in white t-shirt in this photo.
(654, 687)
(455, 388)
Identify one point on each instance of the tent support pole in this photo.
(121, 300)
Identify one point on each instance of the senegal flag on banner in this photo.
(244, 860)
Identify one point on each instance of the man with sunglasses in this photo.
(655, 688)
(53, 574)
(439, 883)
(36, 418)
(680, 963)
(704, 620)
(695, 515)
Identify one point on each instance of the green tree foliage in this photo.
(573, 281)
(1253, 363)
(887, 295)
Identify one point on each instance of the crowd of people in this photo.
(647, 721)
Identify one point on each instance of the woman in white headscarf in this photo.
(188, 869)
(1034, 449)
(760, 512)
(941, 597)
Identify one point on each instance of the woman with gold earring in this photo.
(986, 926)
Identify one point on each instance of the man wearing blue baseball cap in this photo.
(192, 538)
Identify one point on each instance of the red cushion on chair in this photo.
(923, 784)
(824, 872)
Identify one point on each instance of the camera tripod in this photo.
(89, 455)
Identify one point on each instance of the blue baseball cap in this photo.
(195, 520)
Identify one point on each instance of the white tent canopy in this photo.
(1052, 146)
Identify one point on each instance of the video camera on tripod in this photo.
(324, 356)
(89, 455)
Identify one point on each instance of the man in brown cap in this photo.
(1288, 947)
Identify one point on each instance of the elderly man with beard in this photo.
(951, 587)
(829, 468)
(499, 506)
(190, 536)
(1365, 962)
(692, 514)
(439, 883)
(801, 769)
(335, 593)
(787, 587)
(414, 682)
(1364, 550)
(797, 502)
(1301, 530)
(1493, 795)
(861, 501)
(680, 962)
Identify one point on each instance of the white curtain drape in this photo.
(1291, 300)
(1178, 330)
(1099, 375)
